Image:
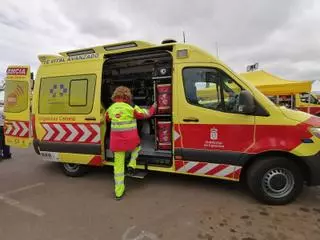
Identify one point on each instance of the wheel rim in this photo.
(71, 167)
(278, 182)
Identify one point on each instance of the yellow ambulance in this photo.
(235, 133)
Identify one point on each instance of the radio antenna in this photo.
(184, 37)
(217, 50)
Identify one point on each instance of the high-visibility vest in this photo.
(124, 135)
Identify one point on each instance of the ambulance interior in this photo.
(148, 75)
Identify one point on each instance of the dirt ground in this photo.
(37, 202)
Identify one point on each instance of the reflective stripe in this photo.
(119, 174)
(119, 182)
(124, 126)
(123, 123)
(123, 129)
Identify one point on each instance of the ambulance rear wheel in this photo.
(275, 180)
(73, 170)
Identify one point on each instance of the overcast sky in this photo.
(283, 36)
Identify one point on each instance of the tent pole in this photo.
(309, 100)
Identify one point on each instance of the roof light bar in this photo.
(80, 52)
(120, 46)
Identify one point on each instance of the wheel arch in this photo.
(260, 157)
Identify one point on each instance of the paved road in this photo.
(37, 202)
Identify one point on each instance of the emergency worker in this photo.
(124, 134)
(4, 149)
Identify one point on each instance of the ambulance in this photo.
(235, 134)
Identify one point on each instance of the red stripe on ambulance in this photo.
(208, 169)
(96, 161)
(17, 129)
(197, 167)
(72, 132)
(216, 170)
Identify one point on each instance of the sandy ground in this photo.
(37, 202)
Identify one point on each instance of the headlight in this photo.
(315, 131)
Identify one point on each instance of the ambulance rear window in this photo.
(16, 96)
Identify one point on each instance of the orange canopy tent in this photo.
(269, 84)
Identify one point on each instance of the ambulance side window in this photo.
(231, 92)
(202, 87)
(78, 92)
(306, 97)
(67, 94)
(211, 88)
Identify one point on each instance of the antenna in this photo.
(217, 50)
(184, 36)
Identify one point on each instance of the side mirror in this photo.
(246, 103)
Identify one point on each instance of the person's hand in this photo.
(154, 105)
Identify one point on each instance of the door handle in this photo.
(90, 118)
(191, 119)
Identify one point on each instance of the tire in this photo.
(36, 146)
(275, 180)
(74, 170)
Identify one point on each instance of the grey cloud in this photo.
(19, 24)
(101, 28)
(10, 17)
(233, 23)
(281, 35)
(294, 72)
(93, 17)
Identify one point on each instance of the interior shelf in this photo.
(162, 115)
(162, 77)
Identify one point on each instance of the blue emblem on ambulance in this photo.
(58, 91)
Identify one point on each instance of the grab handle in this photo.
(191, 119)
(90, 118)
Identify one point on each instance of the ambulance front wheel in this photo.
(275, 180)
(73, 170)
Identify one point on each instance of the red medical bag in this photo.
(164, 98)
(164, 135)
